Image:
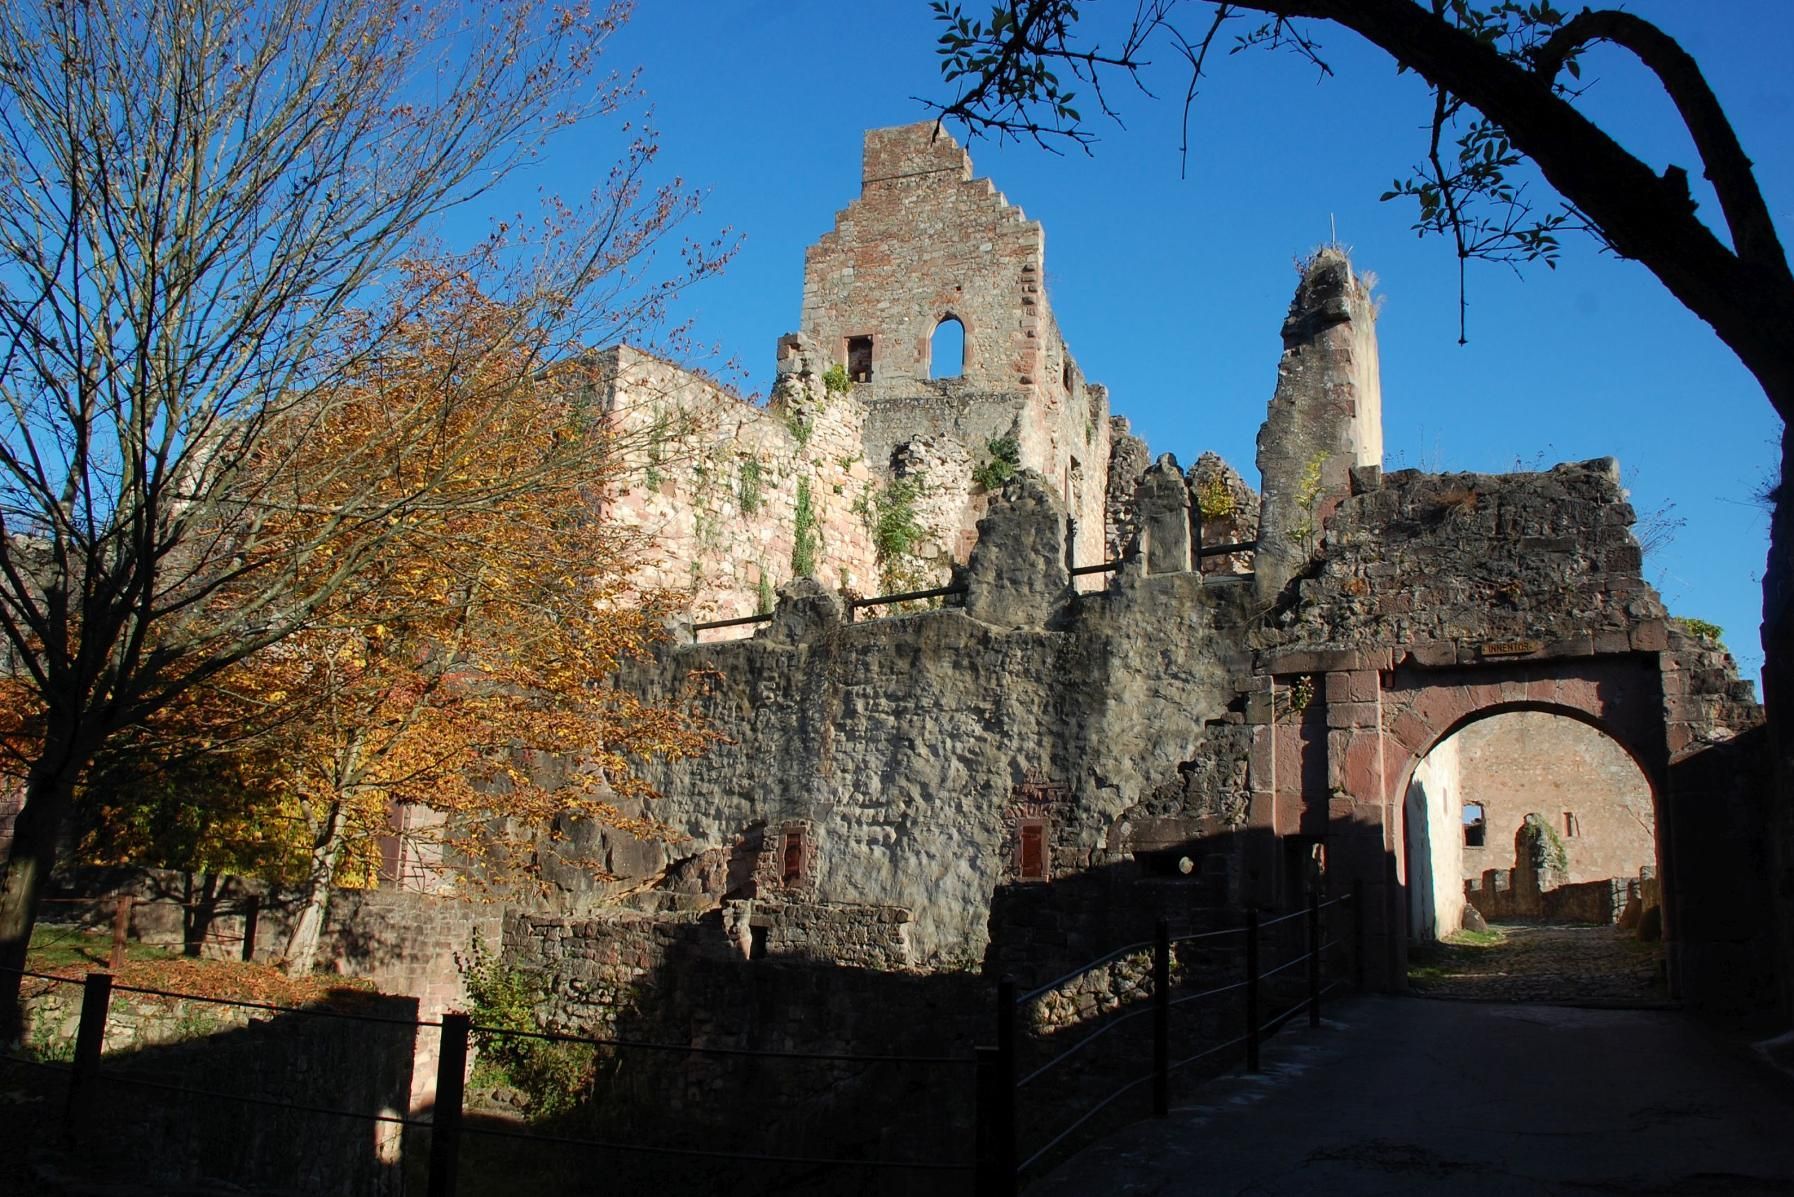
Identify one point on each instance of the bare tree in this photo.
(202, 203)
(1504, 77)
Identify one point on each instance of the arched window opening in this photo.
(947, 349)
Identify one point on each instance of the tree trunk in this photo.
(314, 896)
(1778, 700)
(49, 796)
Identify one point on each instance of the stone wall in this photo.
(1516, 894)
(1467, 567)
(1436, 843)
(724, 491)
(1229, 509)
(684, 980)
(406, 943)
(1581, 783)
(913, 748)
(925, 242)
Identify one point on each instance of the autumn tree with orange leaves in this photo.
(222, 438)
(481, 646)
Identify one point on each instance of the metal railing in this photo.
(860, 604)
(1000, 1165)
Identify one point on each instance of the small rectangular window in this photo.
(791, 869)
(1475, 825)
(1572, 825)
(859, 359)
(1031, 850)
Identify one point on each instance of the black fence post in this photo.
(1314, 955)
(445, 1121)
(252, 914)
(987, 1167)
(1161, 1020)
(1004, 1124)
(90, 1038)
(1252, 989)
(1358, 935)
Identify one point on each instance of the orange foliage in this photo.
(479, 638)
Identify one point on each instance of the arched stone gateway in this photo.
(1478, 618)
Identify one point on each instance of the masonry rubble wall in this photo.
(723, 490)
(1128, 459)
(911, 749)
(1452, 567)
(682, 979)
(1581, 783)
(196, 1141)
(1507, 895)
(1229, 511)
(405, 942)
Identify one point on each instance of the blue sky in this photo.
(1171, 290)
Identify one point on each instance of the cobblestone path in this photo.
(1563, 964)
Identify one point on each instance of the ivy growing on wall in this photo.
(748, 488)
(806, 539)
(895, 529)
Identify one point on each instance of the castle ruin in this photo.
(1235, 693)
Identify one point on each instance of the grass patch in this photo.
(54, 948)
(1458, 953)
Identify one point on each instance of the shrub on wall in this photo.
(1005, 458)
(554, 1077)
(748, 491)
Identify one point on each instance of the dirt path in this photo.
(1561, 964)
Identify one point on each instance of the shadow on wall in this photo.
(244, 1106)
(1721, 947)
(637, 981)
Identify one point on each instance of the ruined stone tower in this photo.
(1325, 420)
(924, 247)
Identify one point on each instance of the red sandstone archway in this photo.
(1619, 696)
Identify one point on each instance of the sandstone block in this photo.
(1352, 714)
